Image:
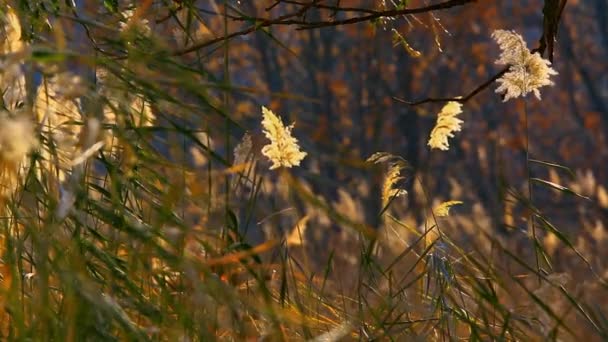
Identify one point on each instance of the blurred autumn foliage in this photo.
(339, 83)
(174, 225)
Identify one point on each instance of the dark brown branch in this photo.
(273, 5)
(171, 13)
(541, 49)
(464, 99)
(383, 14)
(334, 8)
(287, 20)
(259, 24)
(552, 14)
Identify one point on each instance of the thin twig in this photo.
(262, 23)
(335, 8)
(304, 25)
(464, 99)
(470, 95)
(383, 14)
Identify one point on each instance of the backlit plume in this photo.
(390, 184)
(10, 32)
(17, 140)
(389, 189)
(242, 151)
(283, 149)
(527, 71)
(447, 124)
(12, 78)
(61, 124)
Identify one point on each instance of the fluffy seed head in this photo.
(527, 71)
(10, 32)
(243, 150)
(17, 138)
(283, 149)
(447, 124)
(61, 125)
(12, 78)
(134, 24)
(393, 177)
(443, 209)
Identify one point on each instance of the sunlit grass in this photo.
(132, 217)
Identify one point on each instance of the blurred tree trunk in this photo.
(410, 125)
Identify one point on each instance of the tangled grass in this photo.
(127, 215)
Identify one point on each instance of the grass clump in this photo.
(130, 211)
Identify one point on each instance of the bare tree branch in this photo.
(289, 19)
(464, 99)
(469, 96)
(260, 23)
(385, 14)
